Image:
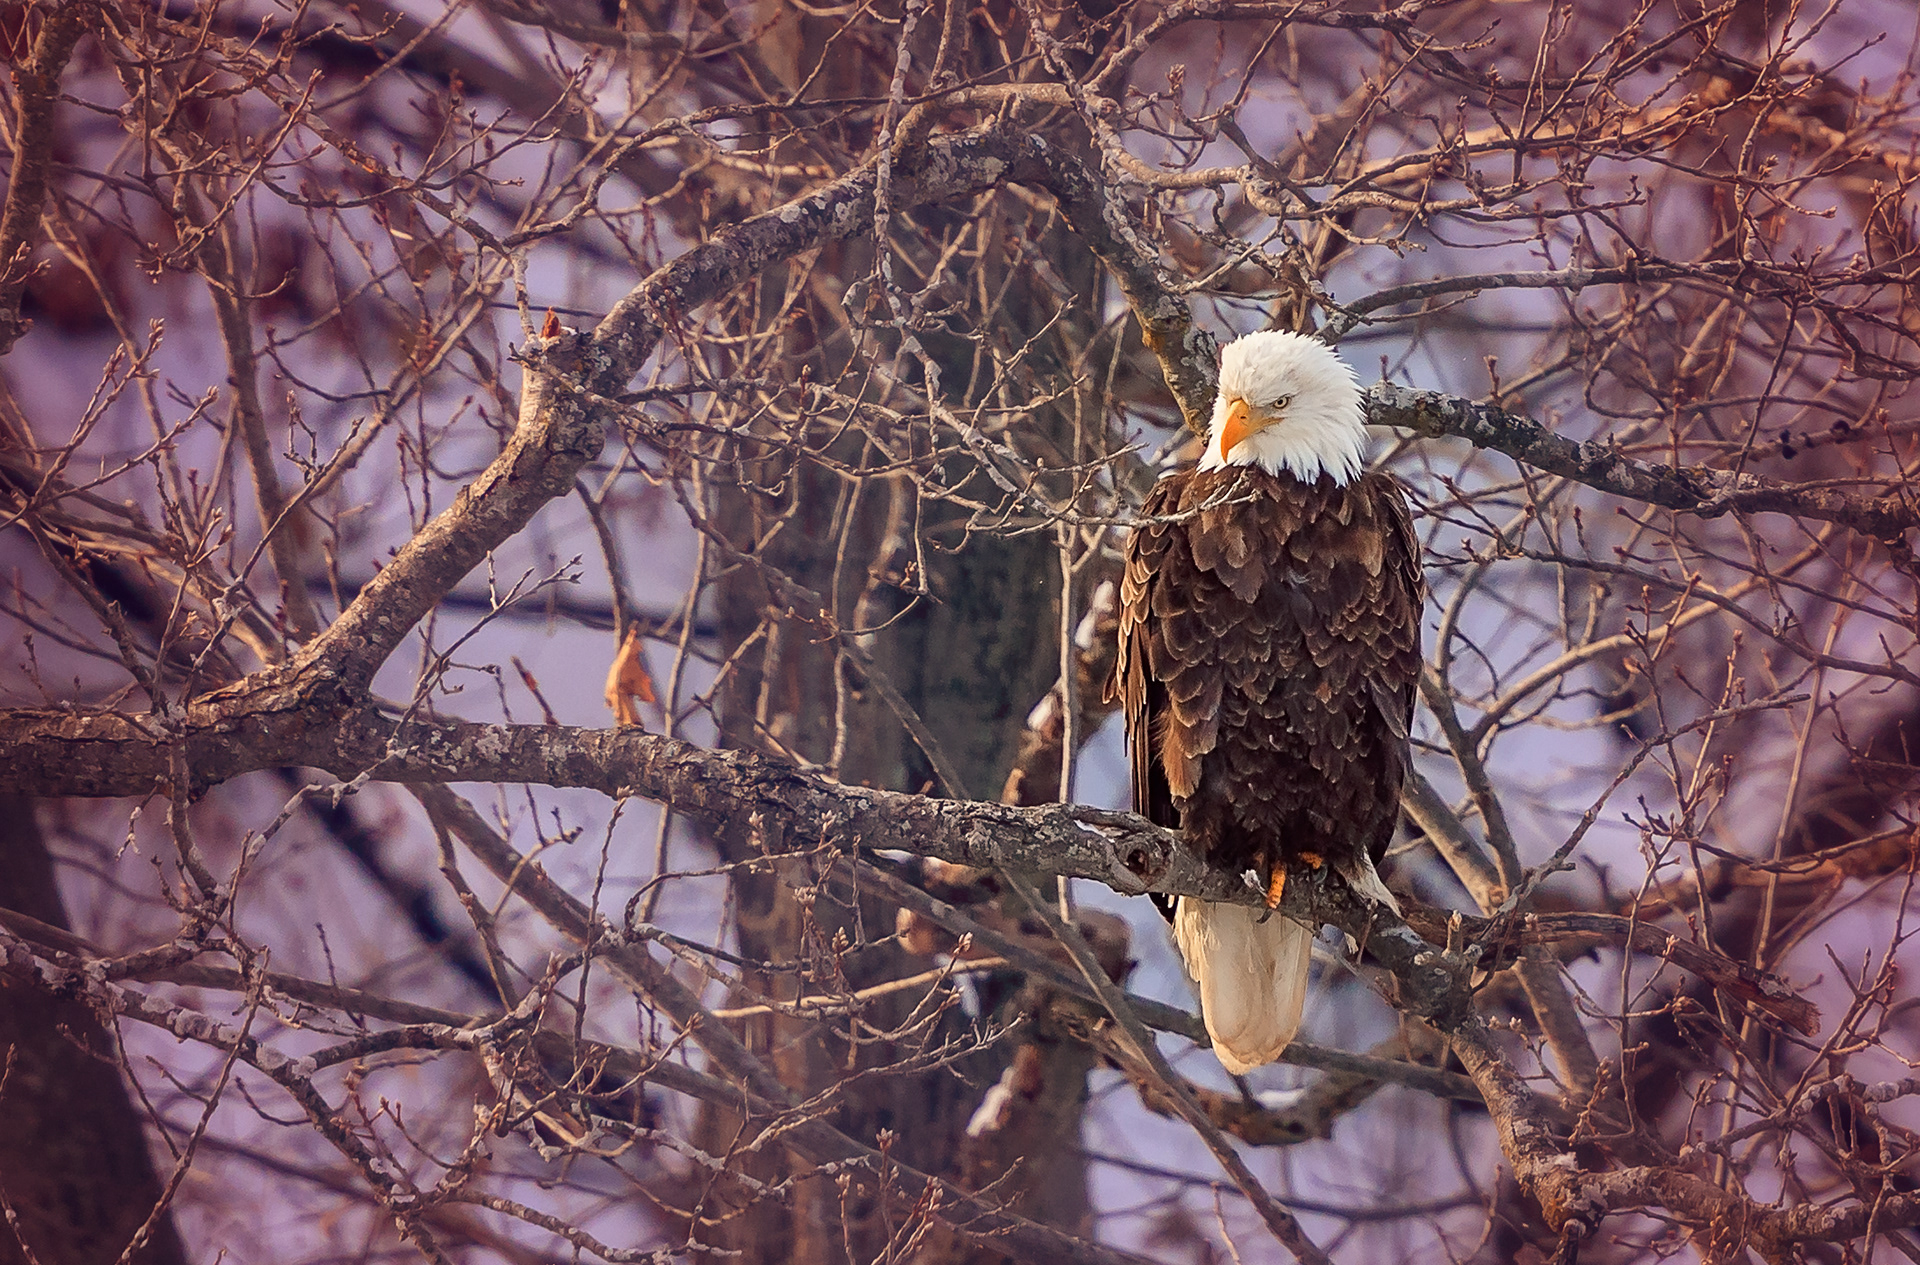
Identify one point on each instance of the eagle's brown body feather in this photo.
(1269, 651)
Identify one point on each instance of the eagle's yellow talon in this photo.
(1312, 860)
(1276, 887)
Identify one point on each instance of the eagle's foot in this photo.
(1276, 887)
(1312, 860)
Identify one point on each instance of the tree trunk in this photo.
(74, 1164)
(971, 657)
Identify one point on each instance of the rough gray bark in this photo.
(75, 1172)
(37, 84)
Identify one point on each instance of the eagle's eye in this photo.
(1282, 402)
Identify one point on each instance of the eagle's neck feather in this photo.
(1304, 447)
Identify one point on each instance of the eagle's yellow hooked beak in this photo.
(1238, 426)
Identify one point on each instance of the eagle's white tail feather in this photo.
(1252, 977)
(1365, 881)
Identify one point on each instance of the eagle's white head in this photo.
(1289, 405)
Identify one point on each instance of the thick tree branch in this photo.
(1689, 489)
(1506, 938)
(37, 83)
(109, 754)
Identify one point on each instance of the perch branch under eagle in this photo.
(1269, 651)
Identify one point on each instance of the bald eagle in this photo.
(1269, 649)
